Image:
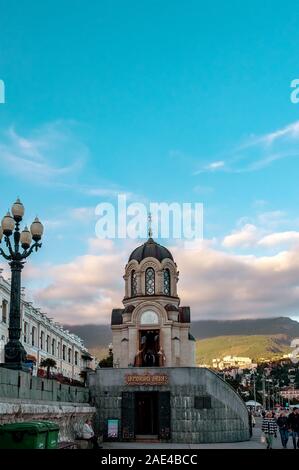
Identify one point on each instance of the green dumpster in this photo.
(25, 435)
(52, 434)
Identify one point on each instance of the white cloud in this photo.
(247, 236)
(279, 238)
(259, 152)
(220, 285)
(215, 165)
(216, 284)
(47, 154)
(291, 131)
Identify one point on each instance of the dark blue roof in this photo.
(150, 249)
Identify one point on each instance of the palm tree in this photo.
(49, 364)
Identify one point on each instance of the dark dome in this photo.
(150, 249)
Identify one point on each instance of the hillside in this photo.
(100, 335)
(260, 326)
(254, 346)
(254, 338)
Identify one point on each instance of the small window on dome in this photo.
(150, 281)
(133, 283)
(166, 281)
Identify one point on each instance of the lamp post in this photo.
(18, 249)
(254, 390)
(264, 391)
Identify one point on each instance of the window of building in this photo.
(25, 332)
(48, 343)
(76, 358)
(33, 335)
(69, 355)
(42, 340)
(63, 352)
(58, 349)
(166, 281)
(150, 281)
(4, 310)
(133, 283)
(202, 402)
(53, 347)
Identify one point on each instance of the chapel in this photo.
(152, 329)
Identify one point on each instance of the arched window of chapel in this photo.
(150, 281)
(166, 282)
(133, 283)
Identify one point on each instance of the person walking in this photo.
(293, 423)
(269, 428)
(250, 422)
(283, 425)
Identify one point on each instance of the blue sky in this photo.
(167, 101)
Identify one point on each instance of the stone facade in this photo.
(69, 417)
(226, 420)
(21, 385)
(27, 398)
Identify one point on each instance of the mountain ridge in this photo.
(100, 335)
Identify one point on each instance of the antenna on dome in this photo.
(149, 219)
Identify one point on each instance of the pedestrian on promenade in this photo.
(250, 422)
(89, 435)
(269, 428)
(293, 422)
(283, 425)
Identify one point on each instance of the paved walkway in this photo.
(253, 443)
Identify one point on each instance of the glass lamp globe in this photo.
(17, 210)
(8, 224)
(26, 238)
(36, 229)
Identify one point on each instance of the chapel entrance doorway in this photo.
(146, 414)
(149, 354)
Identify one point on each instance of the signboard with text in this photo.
(146, 379)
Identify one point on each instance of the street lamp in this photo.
(19, 248)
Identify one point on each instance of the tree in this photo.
(107, 361)
(48, 364)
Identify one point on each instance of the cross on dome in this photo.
(150, 231)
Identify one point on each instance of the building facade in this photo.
(152, 329)
(154, 391)
(237, 362)
(43, 338)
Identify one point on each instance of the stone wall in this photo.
(27, 398)
(14, 384)
(225, 421)
(69, 417)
